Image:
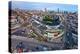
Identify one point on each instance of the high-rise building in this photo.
(45, 9)
(58, 10)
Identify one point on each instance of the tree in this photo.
(47, 19)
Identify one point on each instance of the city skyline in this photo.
(38, 26)
(41, 6)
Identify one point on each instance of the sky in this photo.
(42, 6)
